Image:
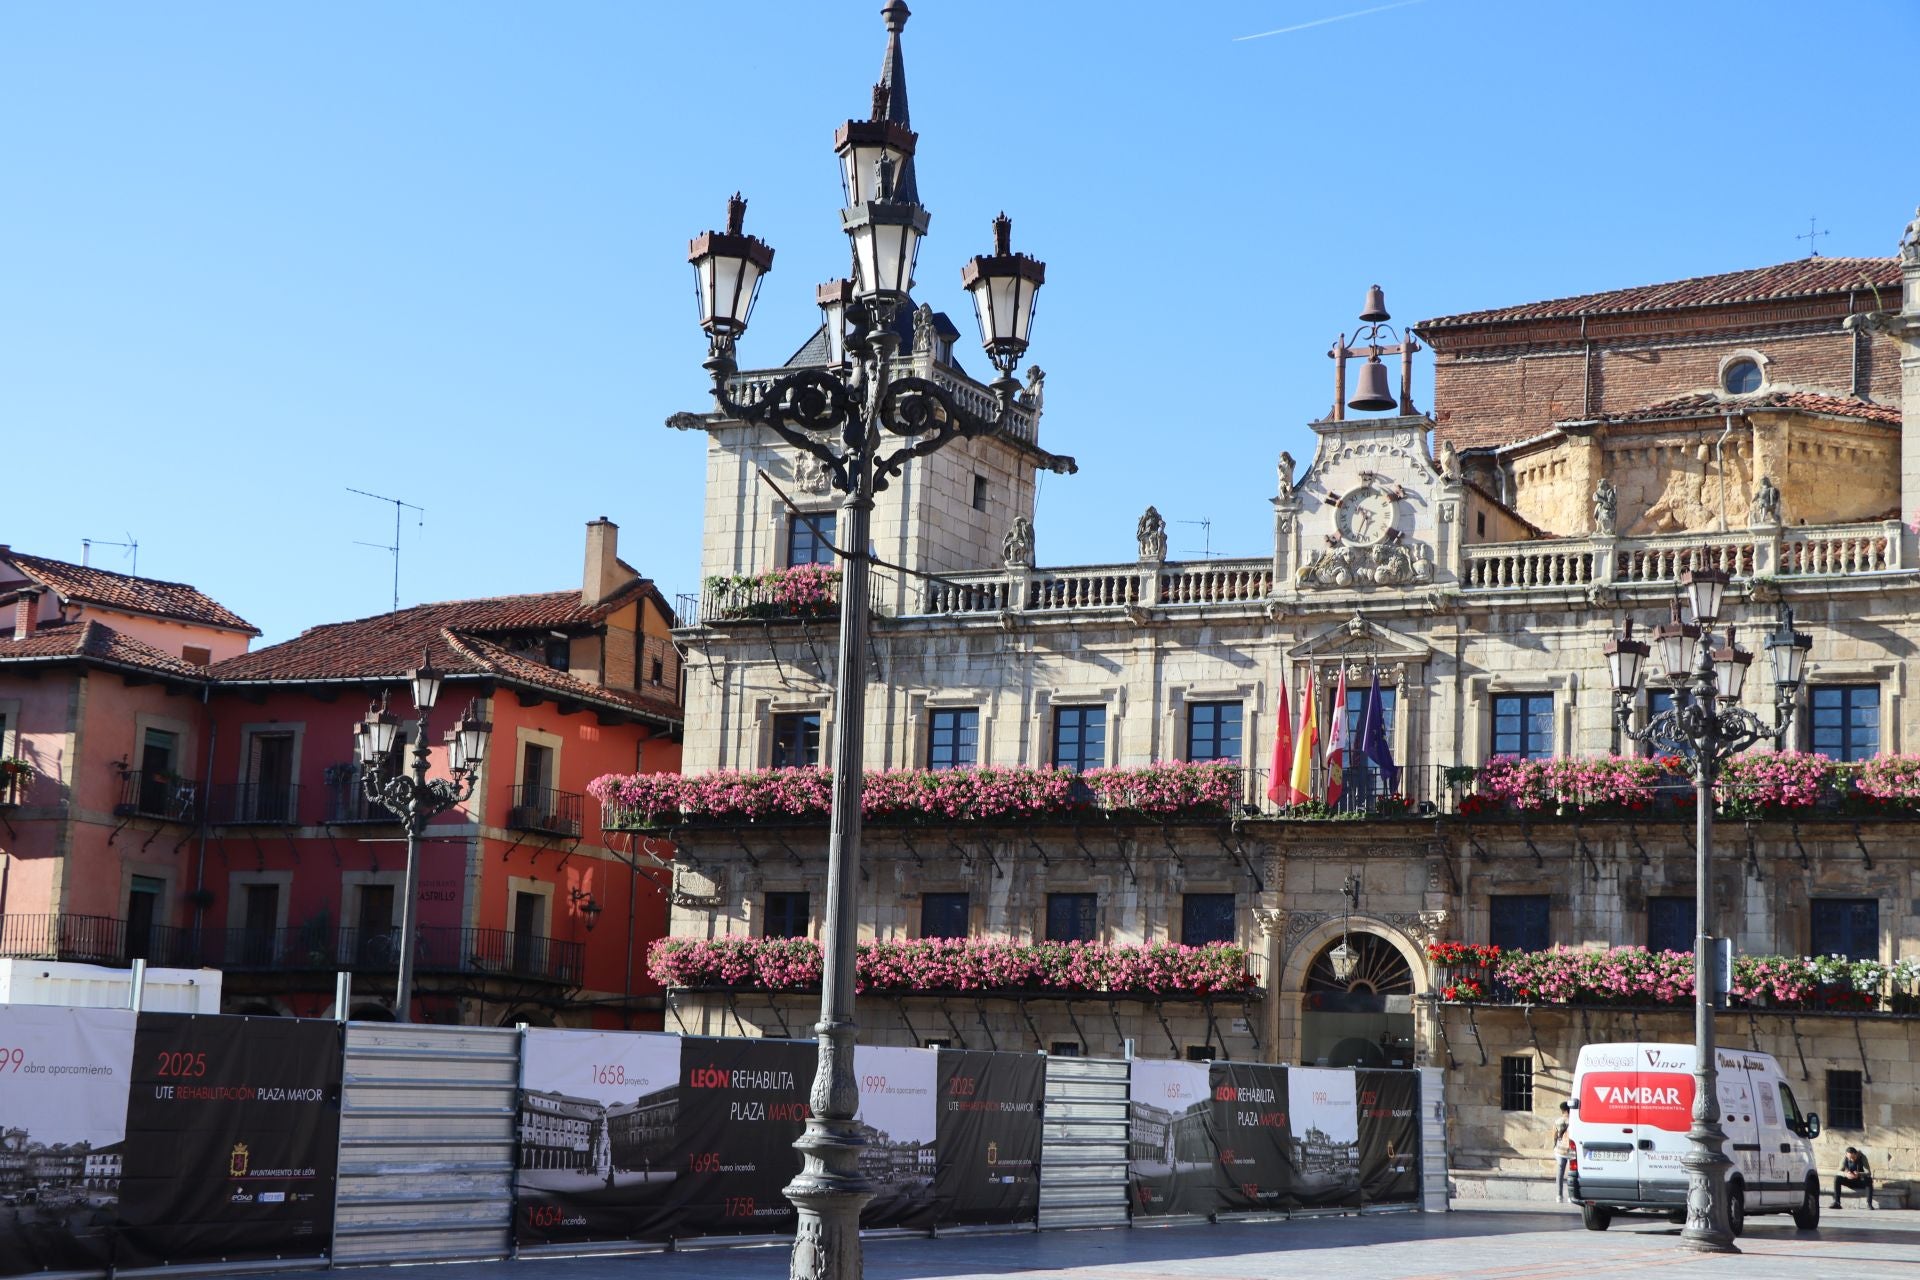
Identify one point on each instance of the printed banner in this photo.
(63, 1118)
(988, 1135)
(597, 1157)
(742, 1105)
(1171, 1151)
(233, 1136)
(1325, 1124)
(1255, 1146)
(1389, 1137)
(898, 1116)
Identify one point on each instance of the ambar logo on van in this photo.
(1663, 1099)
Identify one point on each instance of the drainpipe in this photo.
(206, 783)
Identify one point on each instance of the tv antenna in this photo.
(132, 545)
(1206, 536)
(1812, 237)
(394, 549)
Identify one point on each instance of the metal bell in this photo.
(1372, 393)
(1376, 309)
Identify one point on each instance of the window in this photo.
(536, 775)
(143, 913)
(1072, 917)
(796, 740)
(1523, 725)
(196, 655)
(1206, 917)
(1846, 1101)
(1741, 377)
(1360, 778)
(659, 672)
(786, 915)
(1213, 731)
(1480, 524)
(1670, 923)
(1518, 921)
(1080, 737)
(953, 738)
(1516, 1084)
(979, 493)
(1847, 927)
(1846, 721)
(1065, 1049)
(1200, 1053)
(943, 915)
(269, 795)
(807, 539)
(559, 652)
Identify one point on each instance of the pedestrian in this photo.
(1563, 1152)
(1855, 1175)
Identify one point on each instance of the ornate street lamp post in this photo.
(864, 419)
(414, 798)
(1706, 727)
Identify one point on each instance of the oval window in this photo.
(1742, 378)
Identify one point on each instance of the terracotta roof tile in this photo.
(1808, 277)
(95, 642)
(87, 585)
(1707, 404)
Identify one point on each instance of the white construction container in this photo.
(92, 986)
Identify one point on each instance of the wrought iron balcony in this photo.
(155, 793)
(546, 811)
(94, 940)
(233, 804)
(347, 800)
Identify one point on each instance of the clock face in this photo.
(1364, 515)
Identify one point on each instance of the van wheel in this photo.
(1596, 1217)
(1807, 1216)
(1737, 1210)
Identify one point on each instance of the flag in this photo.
(1282, 750)
(1337, 743)
(1300, 787)
(1373, 742)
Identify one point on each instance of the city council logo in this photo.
(993, 1153)
(237, 1162)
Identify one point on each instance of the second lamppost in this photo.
(1705, 727)
(864, 419)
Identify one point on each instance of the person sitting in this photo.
(1855, 1175)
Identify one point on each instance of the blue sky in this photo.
(252, 255)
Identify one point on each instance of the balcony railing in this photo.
(347, 800)
(253, 804)
(302, 948)
(1803, 551)
(1097, 587)
(545, 810)
(152, 793)
(772, 597)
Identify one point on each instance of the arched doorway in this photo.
(1357, 1010)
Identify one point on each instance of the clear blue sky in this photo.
(253, 254)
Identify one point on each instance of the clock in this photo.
(1364, 516)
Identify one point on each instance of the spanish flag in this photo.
(1300, 788)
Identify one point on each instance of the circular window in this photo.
(1741, 377)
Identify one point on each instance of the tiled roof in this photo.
(1808, 277)
(1708, 404)
(87, 585)
(93, 642)
(519, 669)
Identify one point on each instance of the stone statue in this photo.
(1606, 505)
(1910, 242)
(1035, 391)
(1286, 473)
(1449, 461)
(1017, 547)
(1152, 533)
(1766, 502)
(923, 330)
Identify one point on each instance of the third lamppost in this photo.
(864, 417)
(1706, 726)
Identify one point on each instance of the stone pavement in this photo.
(1498, 1241)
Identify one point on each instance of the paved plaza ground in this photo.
(1502, 1242)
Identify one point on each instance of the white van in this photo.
(1631, 1108)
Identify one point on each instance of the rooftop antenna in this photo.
(1206, 533)
(395, 547)
(1812, 238)
(132, 545)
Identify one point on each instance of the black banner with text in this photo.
(1255, 1145)
(1389, 1137)
(742, 1105)
(988, 1137)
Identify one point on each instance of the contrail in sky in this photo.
(1321, 22)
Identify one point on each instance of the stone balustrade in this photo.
(1803, 551)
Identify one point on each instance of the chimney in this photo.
(604, 573)
(25, 606)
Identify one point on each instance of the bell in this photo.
(1376, 309)
(1372, 394)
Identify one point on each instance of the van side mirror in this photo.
(1812, 1124)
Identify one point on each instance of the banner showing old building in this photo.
(898, 1119)
(595, 1152)
(742, 1105)
(1250, 1126)
(1389, 1137)
(1172, 1157)
(232, 1139)
(63, 1116)
(989, 1136)
(1324, 1123)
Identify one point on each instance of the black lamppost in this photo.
(414, 798)
(1705, 728)
(864, 420)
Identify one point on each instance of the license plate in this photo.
(1601, 1157)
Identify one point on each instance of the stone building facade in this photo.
(1581, 455)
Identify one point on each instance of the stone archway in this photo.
(1317, 1016)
